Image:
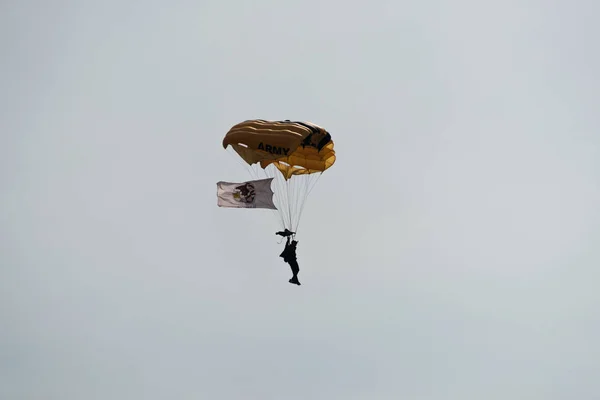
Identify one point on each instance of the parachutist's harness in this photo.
(292, 236)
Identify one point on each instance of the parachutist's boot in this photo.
(294, 280)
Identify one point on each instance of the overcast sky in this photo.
(452, 252)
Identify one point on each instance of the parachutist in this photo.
(289, 256)
(293, 154)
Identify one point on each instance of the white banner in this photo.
(251, 194)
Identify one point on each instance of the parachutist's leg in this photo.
(295, 269)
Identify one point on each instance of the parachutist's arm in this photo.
(285, 233)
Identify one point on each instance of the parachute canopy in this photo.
(294, 148)
(294, 154)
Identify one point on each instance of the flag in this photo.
(251, 194)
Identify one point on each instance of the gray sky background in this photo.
(451, 253)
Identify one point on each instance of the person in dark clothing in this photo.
(289, 256)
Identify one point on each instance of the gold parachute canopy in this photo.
(295, 148)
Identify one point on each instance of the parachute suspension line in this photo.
(290, 185)
(302, 199)
(289, 195)
(281, 200)
(255, 173)
(245, 165)
(277, 192)
(307, 184)
(300, 196)
(279, 197)
(311, 187)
